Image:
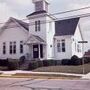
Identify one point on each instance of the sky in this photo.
(21, 8)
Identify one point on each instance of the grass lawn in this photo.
(65, 69)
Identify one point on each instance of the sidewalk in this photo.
(10, 73)
(87, 76)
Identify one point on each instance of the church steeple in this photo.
(41, 5)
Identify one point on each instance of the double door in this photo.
(38, 51)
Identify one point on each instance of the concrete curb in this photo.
(11, 73)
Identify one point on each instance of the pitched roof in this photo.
(23, 24)
(66, 27)
(35, 39)
(37, 12)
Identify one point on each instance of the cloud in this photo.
(14, 8)
(21, 7)
(6, 12)
(19, 2)
(73, 6)
(64, 5)
(78, 5)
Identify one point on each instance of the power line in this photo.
(64, 18)
(73, 10)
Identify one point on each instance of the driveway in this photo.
(43, 84)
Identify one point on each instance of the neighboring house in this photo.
(44, 38)
(13, 34)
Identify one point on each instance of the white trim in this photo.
(12, 20)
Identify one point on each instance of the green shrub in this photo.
(80, 61)
(22, 60)
(74, 57)
(13, 65)
(49, 62)
(87, 59)
(33, 65)
(45, 63)
(65, 61)
(3, 62)
(52, 62)
(74, 60)
(58, 62)
(40, 63)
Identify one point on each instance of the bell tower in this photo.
(41, 5)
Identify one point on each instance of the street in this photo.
(43, 84)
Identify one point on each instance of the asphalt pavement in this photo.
(43, 84)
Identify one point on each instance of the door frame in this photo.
(39, 51)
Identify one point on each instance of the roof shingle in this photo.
(23, 24)
(66, 27)
(38, 12)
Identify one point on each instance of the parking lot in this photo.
(43, 84)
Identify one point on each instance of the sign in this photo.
(82, 41)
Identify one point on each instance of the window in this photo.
(58, 46)
(12, 48)
(78, 48)
(37, 25)
(21, 46)
(61, 46)
(4, 48)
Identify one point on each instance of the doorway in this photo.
(38, 51)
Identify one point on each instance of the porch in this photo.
(37, 48)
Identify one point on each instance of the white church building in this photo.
(42, 38)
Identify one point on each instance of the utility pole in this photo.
(83, 42)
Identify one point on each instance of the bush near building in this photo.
(45, 63)
(3, 62)
(13, 64)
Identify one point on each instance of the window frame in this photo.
(58, 47)
(11, 48)
(21, 47)
(61, 46)
(37, 25)
(14, 47)
(4, 48)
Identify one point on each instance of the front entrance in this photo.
(37, 51)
